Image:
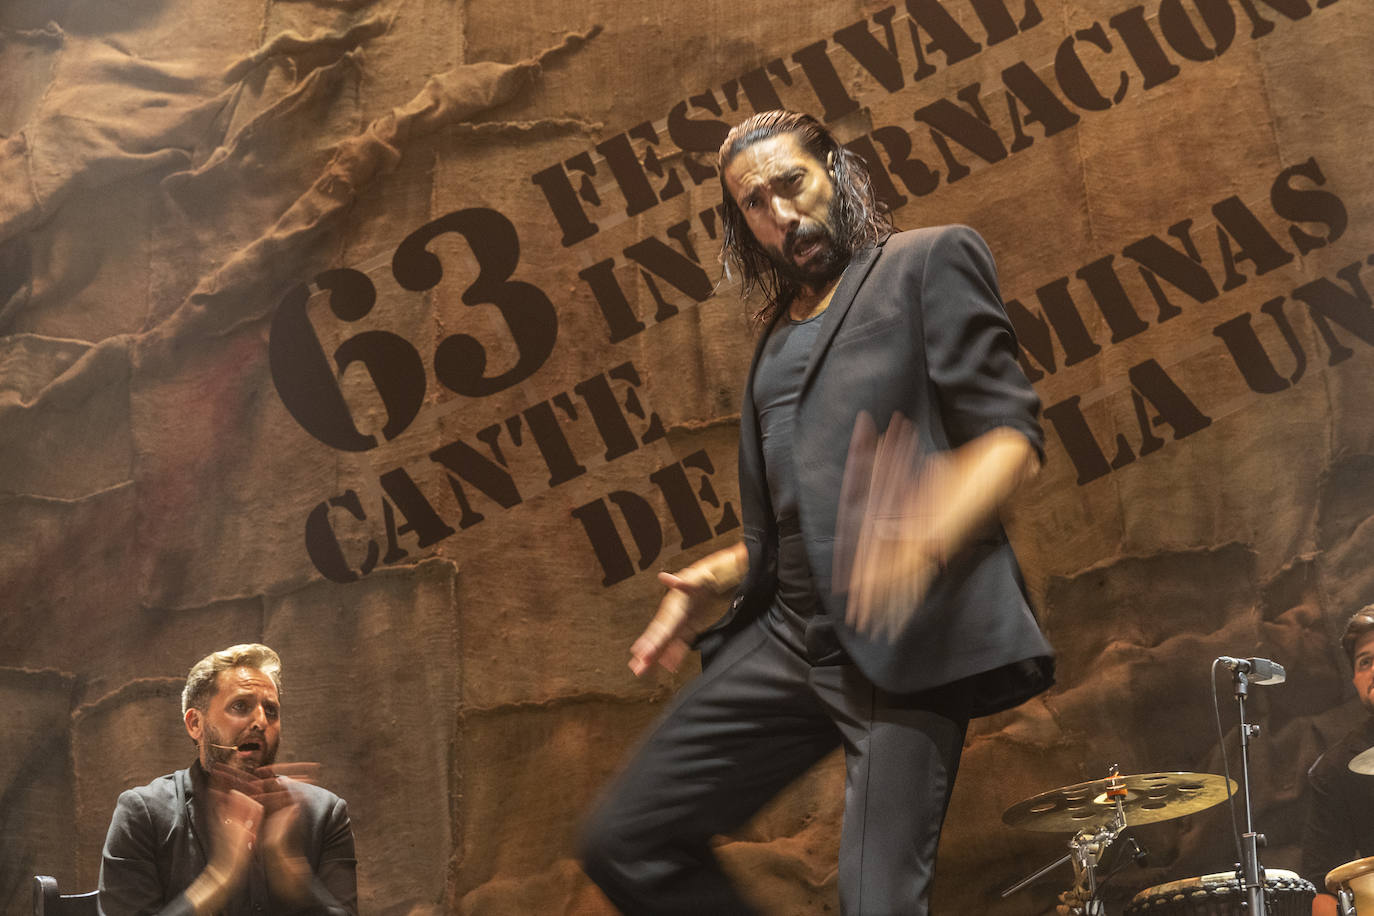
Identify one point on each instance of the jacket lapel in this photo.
(193, 786)
(853, 278)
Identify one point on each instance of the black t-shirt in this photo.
(777, 384)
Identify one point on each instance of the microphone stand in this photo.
(1250, 870)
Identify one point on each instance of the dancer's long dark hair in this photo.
(861, 220)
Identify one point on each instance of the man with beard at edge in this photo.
(1340, 813)
(233, 833)
(879, 605)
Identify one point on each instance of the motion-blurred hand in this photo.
(682, 614)
(270, 787)
(889, 537)
(234, 822)
(269, 784)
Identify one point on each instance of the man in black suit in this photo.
(232, 833)
(879, 606)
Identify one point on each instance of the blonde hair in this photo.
(202, 680)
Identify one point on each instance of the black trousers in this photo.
(757, 718)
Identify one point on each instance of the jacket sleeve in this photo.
(970, 346)
(129, 881)
(334, 882)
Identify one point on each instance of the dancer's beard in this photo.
(810, 255)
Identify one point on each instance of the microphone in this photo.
(225, 747)
(1262, 671)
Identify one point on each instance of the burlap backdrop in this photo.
(175, 173)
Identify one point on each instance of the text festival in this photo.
(949, 139)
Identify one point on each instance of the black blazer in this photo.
(158, 842)
(917, 326)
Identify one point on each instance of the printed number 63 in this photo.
(308, 383)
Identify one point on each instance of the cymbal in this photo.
(1363, 763)
(1149, 798)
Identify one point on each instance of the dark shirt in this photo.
(158, 844)
(777, 385)
(1340, 816)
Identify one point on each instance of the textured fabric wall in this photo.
(391, 334)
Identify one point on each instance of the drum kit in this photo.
(1097, 812)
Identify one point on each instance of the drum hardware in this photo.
(1098, 811)
(1085, 852)
(1345, 901)
(1088, 844)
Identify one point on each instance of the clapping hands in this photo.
(269, 788)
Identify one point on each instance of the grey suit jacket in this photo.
(917, 326)
(158, 843)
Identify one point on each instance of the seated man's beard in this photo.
(826, 264)
(222, 750)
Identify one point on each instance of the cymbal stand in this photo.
(1085, 851)
(1249, 869)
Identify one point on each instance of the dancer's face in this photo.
(787, 196)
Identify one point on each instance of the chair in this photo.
(47, 901)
